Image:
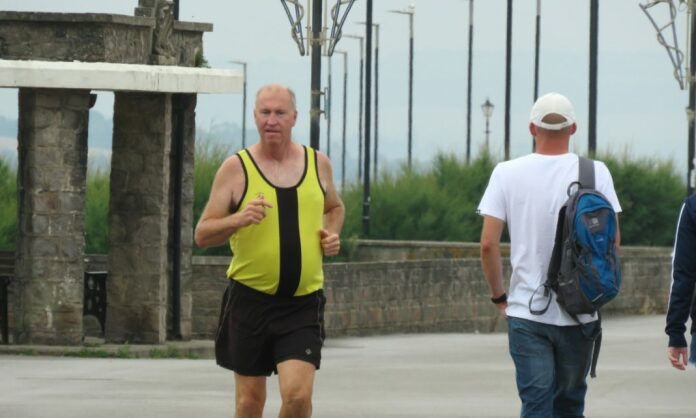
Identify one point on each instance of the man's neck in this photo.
(277, 152)
(552, 146)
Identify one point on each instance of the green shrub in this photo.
(439, 204)
(8, 205)
(209, 157)
(434, 205)
(97, 212)
(650, 192)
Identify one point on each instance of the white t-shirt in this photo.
(527, 194)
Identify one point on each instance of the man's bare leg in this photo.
(296, 380)
(250, 396)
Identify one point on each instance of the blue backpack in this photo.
(584, 270)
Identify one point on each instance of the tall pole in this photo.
(592, 122)
(410, 12)
(537, 42)
(508, 76)
(487, 131)
(316, 74)
(368, 94)
(329, 93)
(410, 89)
(345, 102)
(180, 105)
(376, 26)
(244, 100)
(468, 83)
(360, 104)
(376, 147)
(692, 104)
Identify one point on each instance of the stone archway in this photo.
(152, 102)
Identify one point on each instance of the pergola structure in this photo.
(149, 62)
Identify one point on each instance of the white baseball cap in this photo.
(552, 103)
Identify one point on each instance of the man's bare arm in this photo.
(491, 260)
(334, 211)
(217, 224)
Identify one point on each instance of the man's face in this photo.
(274, 115)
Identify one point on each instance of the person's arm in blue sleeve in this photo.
(682, 284)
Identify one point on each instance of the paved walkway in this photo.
(433, 375)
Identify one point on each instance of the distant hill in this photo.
(8, 127)
(100, 130)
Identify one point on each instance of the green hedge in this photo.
(438, 203)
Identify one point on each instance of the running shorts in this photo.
(256, 331)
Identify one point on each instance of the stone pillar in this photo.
(185, 113)
(51, 187)
(138, 219)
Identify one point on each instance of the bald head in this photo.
(277, 88)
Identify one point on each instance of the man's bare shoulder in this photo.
(323, 160)
(231, 177)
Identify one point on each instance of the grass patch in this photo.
(171, 352)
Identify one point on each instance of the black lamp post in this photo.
(592, 119)
(360, 105)
(376, 148)
(410, 12)
(508, 78)
(343, 140)
(487, 108)
(468, 85)
(537, 41)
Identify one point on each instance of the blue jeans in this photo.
(551, 364)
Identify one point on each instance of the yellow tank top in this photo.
(282, 254)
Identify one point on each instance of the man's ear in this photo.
(532, 129)
(573, 128)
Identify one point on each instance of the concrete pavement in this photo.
(422, 375)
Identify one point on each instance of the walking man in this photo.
(552, 352)
(681, 295)
(276, 205)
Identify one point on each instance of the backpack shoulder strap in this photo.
(586, 175)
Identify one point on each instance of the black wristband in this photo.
(500, 299)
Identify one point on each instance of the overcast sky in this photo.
(640, 105)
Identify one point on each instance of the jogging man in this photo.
(276, 204)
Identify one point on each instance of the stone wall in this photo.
(93, 37)
(87, 37)
(437, 295)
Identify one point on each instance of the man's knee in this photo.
(250, 405)
(298, 402)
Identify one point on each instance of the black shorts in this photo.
(257, 331)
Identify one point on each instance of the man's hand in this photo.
(330, 242)
(501, 308)
(253, 213)
(678, 357)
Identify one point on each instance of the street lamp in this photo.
(592, 120)
(360, 106)
(410, 12)
(376, 27)
(328, 96)
(487, 108)
(537, 39)
(244, 100)
(468, 85)
(343, 140)
(508, 78)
